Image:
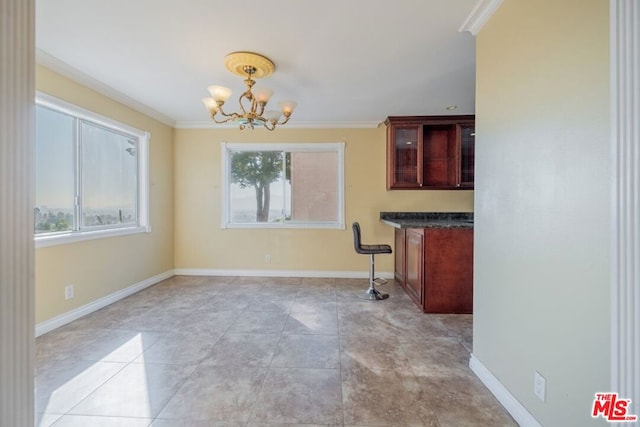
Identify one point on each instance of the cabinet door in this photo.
(414, 265)
(467, 155)
(400, 255)
(404, 156)
(439, 156)
(448, 271)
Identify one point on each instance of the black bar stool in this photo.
(372, 293)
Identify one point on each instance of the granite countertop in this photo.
(427, 219)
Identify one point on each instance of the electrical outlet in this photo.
(539, 386)
(68, 292)
(267, 258)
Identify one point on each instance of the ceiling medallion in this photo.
(252, 105)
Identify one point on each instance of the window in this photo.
(283, 185)
(91, 175)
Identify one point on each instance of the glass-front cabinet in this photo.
(430, 152)
(467, 155)
(404, 151)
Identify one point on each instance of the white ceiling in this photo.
(346, 62)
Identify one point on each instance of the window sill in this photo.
(81, 236)
(281, 225)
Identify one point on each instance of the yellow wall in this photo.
(202, 244)
(101, 267)
(542, 234)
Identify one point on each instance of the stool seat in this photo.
(373, 249)
(371, 293)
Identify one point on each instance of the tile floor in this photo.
(247, 351)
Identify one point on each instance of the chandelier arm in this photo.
(286, 119)
(246, 95)
(229, 117)
(269, 125)
(221, 111)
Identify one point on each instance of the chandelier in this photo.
(252, 105)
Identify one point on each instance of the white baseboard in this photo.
(63, 319)
(506, 399)
(280, 273)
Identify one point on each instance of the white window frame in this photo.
(143, 224)
(334, 147)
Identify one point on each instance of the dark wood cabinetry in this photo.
(437, 268)
(414, 266)
(430, 152)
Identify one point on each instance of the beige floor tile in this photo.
(307, 351)
(46, 420)
(180, 348)
(206, 321)
(243, 350)
(386, 398)
(472, 413)
(259, 322)
(312, 318)
(96, 421)
(303, 396)
(197, 351)
(64, 383)
(139, 390)
(192, 423)
(270, 303)
(216, 393)
(376, 354)
(436, 356)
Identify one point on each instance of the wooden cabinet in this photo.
(414, 265)
(430, 152)
(438, 268)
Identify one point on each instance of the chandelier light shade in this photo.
(252, 102)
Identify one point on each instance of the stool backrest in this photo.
(357, 244)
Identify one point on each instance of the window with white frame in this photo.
(91, 175)
(283, 185)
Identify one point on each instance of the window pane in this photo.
(283, 187)
(258, 189)
(54, 161)
(109, 171)
(314, 186)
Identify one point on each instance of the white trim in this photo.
(479, 16)
(293, 124)
(47, 240)
(624, 30)
(74, 110)
(75, 314)
(60, 67)
(280, 273)
(311, 147)
(506, 399)
(143, 217)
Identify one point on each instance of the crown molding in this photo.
(291, 125)
(479, 16)
(60, 67)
